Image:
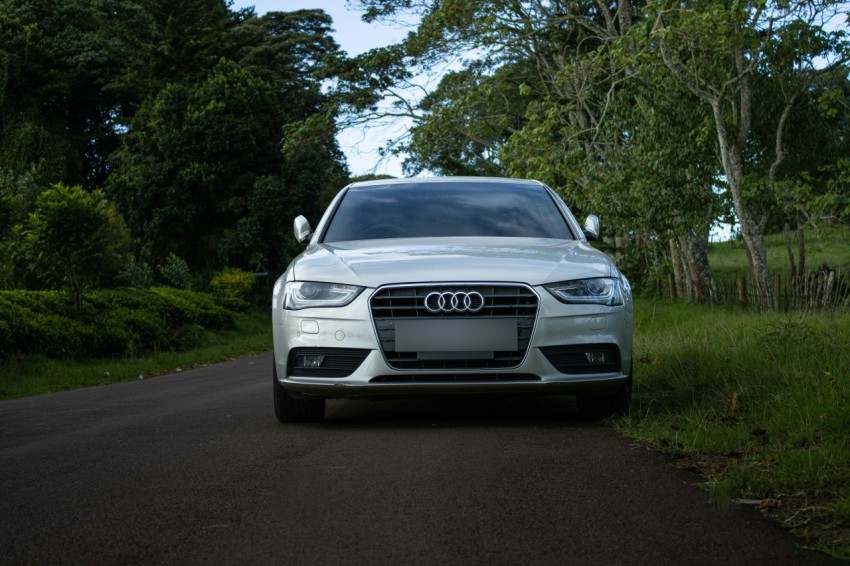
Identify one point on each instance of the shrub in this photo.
(174, 271)
(137, 274)
(5, 337)
(108, 323)
(37, 330)
(233, 287)
(74, 239)
(188, 336)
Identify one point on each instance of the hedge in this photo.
(121, 322)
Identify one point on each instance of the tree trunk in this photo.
(801, 250)
(688, 267)
(620, 244)
(695, 249)
(751, 231)
(624, 14)
(678, 275)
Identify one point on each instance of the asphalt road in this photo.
(193, 468)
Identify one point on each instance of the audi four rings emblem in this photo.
(461, 301)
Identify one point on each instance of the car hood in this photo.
(374, 263)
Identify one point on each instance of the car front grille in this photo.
(502, 301)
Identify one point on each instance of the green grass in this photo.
(830, 246)
(758, 403)
(38, 374)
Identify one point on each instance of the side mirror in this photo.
(302, 229)
(591, 227)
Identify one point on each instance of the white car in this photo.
(443, 286)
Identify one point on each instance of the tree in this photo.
(190, 161)
(793, 165)
(466, 121)
(74, 239)
(177, 109)
(292, 52)
(601, 123)
(661, 180)
(203, 171)
(716, 52)
(170, 42)
(311, 174)
(60, 98)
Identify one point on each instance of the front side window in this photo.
(434, 210)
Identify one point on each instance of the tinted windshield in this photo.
(433, 209)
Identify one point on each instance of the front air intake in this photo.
(584, 358)
(505, 304)
(325, 362)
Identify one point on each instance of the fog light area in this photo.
(598, 357)
(309, 361)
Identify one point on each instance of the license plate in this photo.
(456, 335)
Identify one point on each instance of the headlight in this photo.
(308, 294)
(599, 291)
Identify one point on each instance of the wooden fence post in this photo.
(830, 280)
(742, 290)
(777, 292)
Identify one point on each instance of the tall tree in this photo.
(602, 81)
(716, 51)
(204, 171)
(55, 110)
(463, 124)
(190, 160)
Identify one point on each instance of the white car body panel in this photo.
(372, 263)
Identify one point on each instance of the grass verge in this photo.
(757, 403)
(38, 374)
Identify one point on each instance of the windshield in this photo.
(451, 209)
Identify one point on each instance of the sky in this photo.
(360, 145)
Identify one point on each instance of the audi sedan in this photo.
(445, 286)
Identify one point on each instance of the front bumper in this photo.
(351, 327)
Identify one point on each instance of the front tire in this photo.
(291, 409)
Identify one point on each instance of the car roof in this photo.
(443, 180)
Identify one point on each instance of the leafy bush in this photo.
(38, 327)
(122, 322)
(174, 271)
(189, 336)
(233, 287)
(189, 306)
(74, 239)
(137, 274)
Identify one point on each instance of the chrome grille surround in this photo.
(407, 302)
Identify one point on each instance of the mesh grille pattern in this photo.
(408, 303)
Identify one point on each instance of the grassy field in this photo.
(830, 246)
(37, 375)
(757, 403)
